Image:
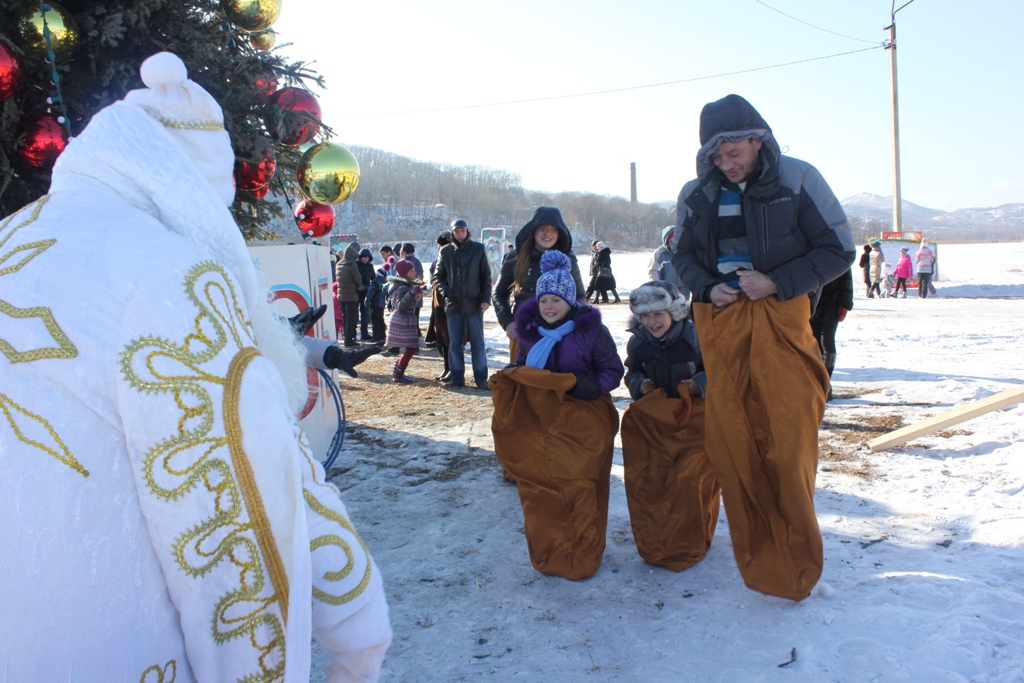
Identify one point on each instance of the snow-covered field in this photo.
(924, 545)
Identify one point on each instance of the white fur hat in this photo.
(192, 117)
(658, 295)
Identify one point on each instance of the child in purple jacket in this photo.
(560, 334)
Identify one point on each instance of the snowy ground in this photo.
(924, 545)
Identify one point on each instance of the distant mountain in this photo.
(868, 206)
(1000, 222)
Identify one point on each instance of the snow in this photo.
(924, 545)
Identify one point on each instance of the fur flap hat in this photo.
(658, 295)
(556, 277)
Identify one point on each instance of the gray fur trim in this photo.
(658, 295)
(704, 154)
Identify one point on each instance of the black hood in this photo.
(731, 119)
(547, 215)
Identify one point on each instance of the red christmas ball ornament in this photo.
(43, 139)
(315, 220)
(301, 115)
(267, 86)
(261, 191)
(250, 175)
(10, 72)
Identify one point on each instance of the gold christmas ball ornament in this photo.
(252, 15)
(263, 40)
(328, 173)
(62, 27)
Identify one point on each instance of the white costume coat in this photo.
(161, 518)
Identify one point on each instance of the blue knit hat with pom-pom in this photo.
(556, 277)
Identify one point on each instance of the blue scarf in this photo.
(538, 355)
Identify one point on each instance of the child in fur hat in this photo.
(663, 352)
(406, 294)
(671, 489)
(557, 333)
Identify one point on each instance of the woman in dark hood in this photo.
(519, 272)
(604, 280)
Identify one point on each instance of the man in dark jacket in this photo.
(464, 278)
(367, 272)
(758, 235)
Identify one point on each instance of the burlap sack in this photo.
(765, 400)
(559, 450)
(671, 489)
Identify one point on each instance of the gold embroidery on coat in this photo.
(57, 449)
(196, 456)
(64, 348)
(169, 669)
(334, 539)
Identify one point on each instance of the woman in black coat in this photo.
(865, 265)
(602, 268)
(835, 301)
(519, 272)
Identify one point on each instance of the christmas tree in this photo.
(52, 87)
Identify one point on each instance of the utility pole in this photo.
(632, 184)
(897, 197)
(897, 201)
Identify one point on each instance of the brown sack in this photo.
(765, 401)
(670, 486)
(559, 450)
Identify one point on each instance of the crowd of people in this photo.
(176, 425)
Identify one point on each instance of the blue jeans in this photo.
(457, 326)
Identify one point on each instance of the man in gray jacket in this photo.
(758, 235)
(464, 278)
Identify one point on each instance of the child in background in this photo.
(890, 281)
(904, 270)
(671, 489)
(376, 298)
(406, 294)
(554, 423)
(339, 323)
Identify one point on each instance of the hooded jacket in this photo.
(797, 232)
(367, 271)
(346, 274)
(463, 276)
(925, 259)
(588, 351)
(504, 306)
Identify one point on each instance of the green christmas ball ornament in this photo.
(252, 15)
(328, 173)
(61, 24)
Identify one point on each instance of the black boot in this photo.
(346, 361)
(830, 365)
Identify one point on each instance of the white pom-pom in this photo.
(163, 68)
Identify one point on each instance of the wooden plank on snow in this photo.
(959, 414)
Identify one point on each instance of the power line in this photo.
(606, 92)
(841, 35)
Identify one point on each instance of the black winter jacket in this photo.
(666, 361)
(797, 233)
(835, 295)
(504, 306)
(463, 276)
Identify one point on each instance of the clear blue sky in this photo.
(961, 72)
